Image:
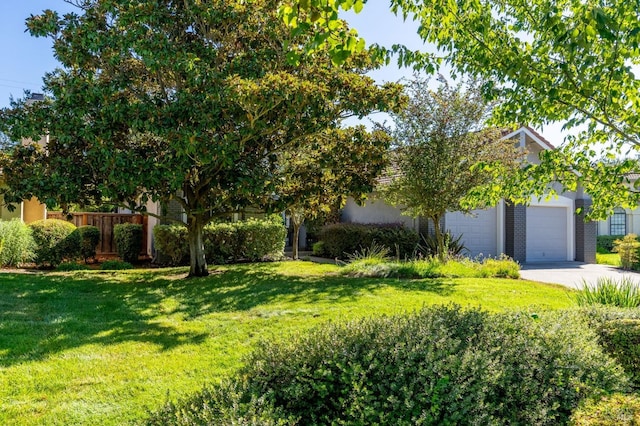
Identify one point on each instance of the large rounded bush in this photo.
(55, 241)
(443, 365)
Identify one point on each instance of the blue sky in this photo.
(26, 59)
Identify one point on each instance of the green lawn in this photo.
(95, 347)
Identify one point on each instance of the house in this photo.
(543, 231)
(622, 221)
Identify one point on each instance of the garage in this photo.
(479, 231)
(547, 234)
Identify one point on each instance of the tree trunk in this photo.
(440, 248)
(296, 237)
(198, 262)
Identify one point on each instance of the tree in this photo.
(440, 140)
(328, 168)
(192, 101)
(548, 61)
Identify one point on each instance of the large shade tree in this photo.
(442, 148)
(568, 61)
(190, 101)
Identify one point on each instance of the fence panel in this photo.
(105, 223)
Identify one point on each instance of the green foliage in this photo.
(324, 171)
(90, 237)
(115, 265)
(621, 340)
(17, 243)
(442, 365)
(318, 248)
(171, 241)
(502, 267)
(128, 239)
(452, 246)
(221, 101)
(252, 240)
(612, 259)
(627, 248)
(55, 241)
(605, 242)
(612, 410)
(377, 266)
(624, 293)
(344, 239)
(442, 148)
(71, 266)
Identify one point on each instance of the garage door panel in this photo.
(479, 231)
(546, 234)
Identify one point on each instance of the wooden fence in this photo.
(105, 222)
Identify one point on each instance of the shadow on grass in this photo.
(44, 314)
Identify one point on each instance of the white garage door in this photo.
(479, 232)
(546, 234)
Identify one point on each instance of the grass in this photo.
(608, 259)
(105, 347)
(624, 293)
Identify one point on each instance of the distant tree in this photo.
(441, 140)
(193, 101)
(327, 169)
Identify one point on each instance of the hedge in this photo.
(250, 240)
(443, 365)
(621, 339)
(605, 242)
(128, 239)
(55, 241)
(344, 239)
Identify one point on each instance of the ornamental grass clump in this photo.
(624, 293)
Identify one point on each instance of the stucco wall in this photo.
(375, 211)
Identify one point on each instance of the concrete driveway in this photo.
(572, 274)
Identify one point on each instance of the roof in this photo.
(533, 135)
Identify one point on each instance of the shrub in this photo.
(318, 248)
(17, 245)
(502, 267)
(128, 239)
(71, 266)
(621, 339)
(604, 243)
(607, 291)
(344, 239)
(613, 410)
(252, 240)
(115, 265)
(627, 248)
(89, 239)
(443, 365)
(55, 241)
(171, 241)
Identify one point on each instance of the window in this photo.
(618, 222)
